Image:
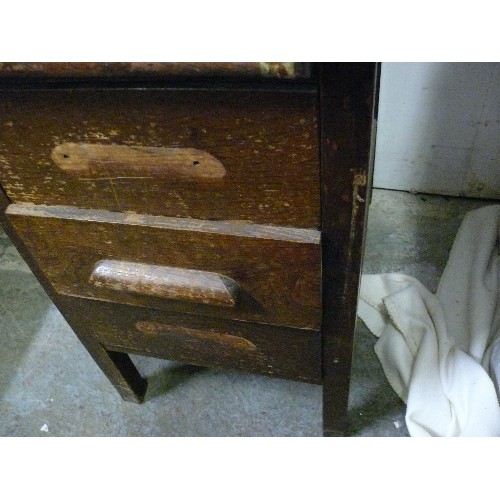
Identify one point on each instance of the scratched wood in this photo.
(346, 100)
(97, 161)
(266, 142)
(156, 70)
(205, 341)
(218, 339)
(236, 228)
(200, 287)
(278, 270)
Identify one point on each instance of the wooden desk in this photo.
(211, 214)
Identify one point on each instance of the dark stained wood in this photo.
(278, 270)
(258, 224)
(99, 161)
(212, 342)
(174, 283)
(154, 70)
(123, 374)
(265, 140)
(346, 104)
(4, 200)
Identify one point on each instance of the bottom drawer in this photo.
(257, 348)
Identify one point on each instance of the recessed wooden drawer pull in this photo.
(96, 161)
(201, 287)
(182, 333)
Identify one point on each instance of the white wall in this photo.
(439, 128)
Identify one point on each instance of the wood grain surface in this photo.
(100, 161)
(205, 341)
(259, 221)
(266, 142)
(277, 269)
(222, 340)
(199, 287)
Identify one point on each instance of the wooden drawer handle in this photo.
(94, 161)
(225, 340)
(201, 287)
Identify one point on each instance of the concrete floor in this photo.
(50, 386)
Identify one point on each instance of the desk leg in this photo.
(347, 94)
(118, 367)
(119, 370)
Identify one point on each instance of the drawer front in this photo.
(230, 270)
(264, 349)
(205, 154)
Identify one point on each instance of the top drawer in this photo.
(206, 154)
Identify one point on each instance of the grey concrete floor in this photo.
(50, 386)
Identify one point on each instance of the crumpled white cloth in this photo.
(441, 352)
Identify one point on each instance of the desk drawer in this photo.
(207, 154)
(219, 343)
(240, 271)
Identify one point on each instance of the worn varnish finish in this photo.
(256, 348)
(295, 313)
(155, 70)
(221, 340)
(200, 287)
(278, 270)
(263, 146)
(236, 228)
(346, 106)
(105, 161)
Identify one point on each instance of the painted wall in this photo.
(439, 128)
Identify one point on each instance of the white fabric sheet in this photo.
(441, 352)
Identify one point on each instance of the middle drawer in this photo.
(241, 271)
